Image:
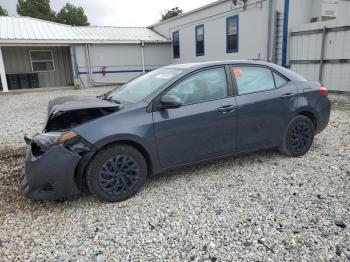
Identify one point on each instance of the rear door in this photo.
(265, 101)
(205, 126)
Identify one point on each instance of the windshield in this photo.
(142, 86)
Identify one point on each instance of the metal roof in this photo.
(17, 30)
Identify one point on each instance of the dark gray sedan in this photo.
(173, 116)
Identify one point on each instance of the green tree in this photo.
(171, 13)
(72, 15)
(3, 11)
(36, 8)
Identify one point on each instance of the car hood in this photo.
(69, 103)
(69, 111)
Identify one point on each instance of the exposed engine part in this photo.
(69, 119)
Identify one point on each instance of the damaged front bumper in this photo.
(50, 175)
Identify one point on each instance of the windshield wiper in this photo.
(103, 96)
(111, 99)
(108, 98)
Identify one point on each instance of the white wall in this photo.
(301, 11)
(122, 62)
(343, 9)
(253, 32)
(308, 47)
(253, 28)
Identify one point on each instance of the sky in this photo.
(119, 12)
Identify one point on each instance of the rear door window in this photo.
(252, 79)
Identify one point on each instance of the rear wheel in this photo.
(298, 137)
(116, 173)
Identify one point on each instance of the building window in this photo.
(176, 44)
(42, 60)
(232, 34)
(199, 40)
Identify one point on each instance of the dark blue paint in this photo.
(285, 33)
(196, 37)
(263, 117)
(201, 132)
(234, 17)
(197, 132)
(189, 134)
(46, 170)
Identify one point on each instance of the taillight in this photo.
(324, 91)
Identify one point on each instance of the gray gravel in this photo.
(25, 113)
(259, 207)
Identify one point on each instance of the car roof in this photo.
(213, 63)
(193, 66)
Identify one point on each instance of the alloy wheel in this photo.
(118, 175)
(300, 136)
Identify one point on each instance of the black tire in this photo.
(298, 137)
(116, 173)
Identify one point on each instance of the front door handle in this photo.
(288, 96)
(227, 108)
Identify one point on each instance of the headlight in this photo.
(70, 140)
(76, 144)
(49, 139)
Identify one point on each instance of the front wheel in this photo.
(298, 137)
(116, 173)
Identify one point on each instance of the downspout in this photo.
(143, 57)
(75, 73)
(90, 70)
(320, 75)
(269, 31)
(285, 33)
(73, 61)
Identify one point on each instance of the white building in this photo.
(244, 29)
(36, 53)
(286, 32)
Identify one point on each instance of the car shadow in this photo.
(212, 165)
(12, 197)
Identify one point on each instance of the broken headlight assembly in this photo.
(71, 140)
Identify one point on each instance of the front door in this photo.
(204, 127)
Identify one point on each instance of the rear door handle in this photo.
(288, 96)
(227, 108)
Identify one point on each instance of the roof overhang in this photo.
(73, 42)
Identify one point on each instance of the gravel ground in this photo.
(259, 207)
(25, 113)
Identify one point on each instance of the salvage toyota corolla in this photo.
(170, 117)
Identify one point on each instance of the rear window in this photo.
(279, 80)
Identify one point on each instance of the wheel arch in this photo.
(311, 116)
(80, 171)
(309, 113)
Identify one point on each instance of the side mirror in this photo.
(170, 101)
